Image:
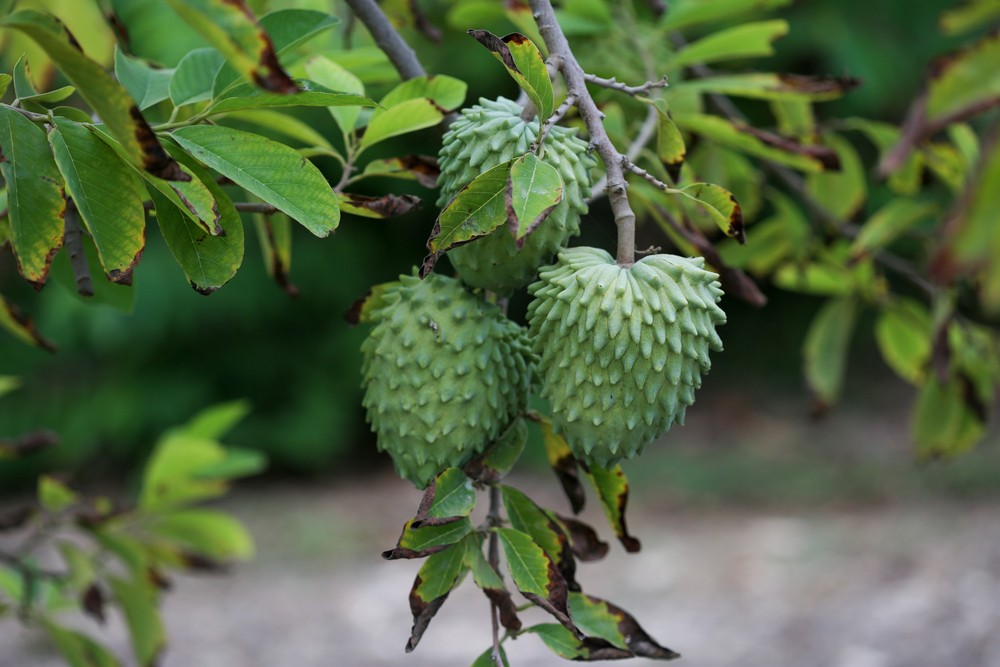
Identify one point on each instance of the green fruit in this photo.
(622, 349)
(444, 374)
(492, 133)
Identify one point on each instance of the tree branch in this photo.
(493, 520)
(403, 57)
(576, 85)
(615, 84)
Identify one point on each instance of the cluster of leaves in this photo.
(69, 554)
(540, 552)
(910, 238)
(78, 184)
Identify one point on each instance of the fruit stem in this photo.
(576, 86)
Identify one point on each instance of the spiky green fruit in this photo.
(444, 374)
(492, 133)
(622, 349)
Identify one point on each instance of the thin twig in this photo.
(556, 116)
(615, 84)
(424, 25)
(402, 56)
(73, 239)
(639, 171)
(642, 138)
(576, 85)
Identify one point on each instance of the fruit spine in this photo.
(444, 374)
(622, 349)
(492, 133)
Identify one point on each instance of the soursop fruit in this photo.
(444, 373)
(492, 133)
(622, 350)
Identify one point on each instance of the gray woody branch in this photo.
(403, 57)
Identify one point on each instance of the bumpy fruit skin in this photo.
(444, 374)
(492, 133)
(622, 349)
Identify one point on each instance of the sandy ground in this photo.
(900, 585)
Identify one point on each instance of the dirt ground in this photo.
(897, 585)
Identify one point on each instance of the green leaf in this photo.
(274, 232)
(964, 80)
(34, 195)
(208, 533)
(825, 349)
(943, 422)
(749, 40)
(599, 618)
(21, 326)
(842, 192)
(476, 210)
(440, 573)
(284, 124)
(889, 223)
(421, 168)
(768, 86)
(146, 85)
(533, 190)
(194, 75)
(23, 87)
(405, 117)
(233, 30)
(79, 564)
(272, 171)
(686, 13)
(289, 28)
(720, 205)
(560, 641)
(9, 383)
(525, 64)
(77, 649)
(612, 488)
(905, 180)
(535, 575)
(563, 463)
(449, 495)
(445, 91)
(175, 474)
(5, 80)
(738, 137)
(107, 97)
(670, 146)
(819, 278)
(529, 518)
(107, 193)
(485, 659)
(497, 460)
(138, 603)
(248, 96)
(217, 420)
(903, 332)
(54, 496)
(331, 75)
(208, 261)
(127, 549)
(796, 118)
(426, 540)
(969, 16)
(490, 582)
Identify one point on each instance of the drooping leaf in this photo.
(769, 86)
(489, 581)
(146, 85)
(107, 193)
(749, 40)
(533, 190)
(446, 92)
(54, 496)
(231, 27)
(529, 518)
(21, 326)
(601, 619)
(386, 206)
(720, 205)
(440, 573)
(745, 140)
(584, 542)
(535, 574)
(403, 118)
(137, 599)
(209, 533)
(449, 496)
(25, 90)
(964, 80)
(493, 463)
(889, 223)
(34, 195)
(333, 76)
(944, 422)
(476, 210)
(825, 349)
(194, 75)
(427, 540)
(77, 649)
(564, 465)
(841, 192)
(274, 232)
(208, 261)
(670, 146)
(285, 180)
(422, 168)
(525, 64)
(903, 332)
(104, 95)
(248, 96)
(686, 13)
(485, 658)
(612, 488)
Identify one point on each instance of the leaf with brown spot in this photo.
(274, 232)
(493, 464)
(386, 206)
(529, 518)
(599, 618)
(427, 540)
(525, 64)
(22, 326)
(448, 498)
(584, 541)
(612, 488)
(534, 189)
(475, 211)
(721, 206)
(436, 579)
(563, 463)
(490, 582)
(670, 147)
(231, 27)
(422, 168)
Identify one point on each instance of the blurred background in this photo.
(770, 538)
